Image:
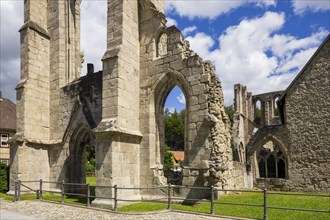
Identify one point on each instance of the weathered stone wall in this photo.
(241, 132)
(268, 105)
(65, 56)
(304, 136)
(167, 61)
(120, 112)
(118, 135)
(307, 118)
(33, 89)
(81, 111)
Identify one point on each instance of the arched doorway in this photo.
(77, 157)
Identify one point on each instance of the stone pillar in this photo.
(50, 59)
(117, 135)
(65, 56)
(27, 157)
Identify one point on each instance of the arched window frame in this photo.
(264, 155)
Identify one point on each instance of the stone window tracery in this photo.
(271, 161)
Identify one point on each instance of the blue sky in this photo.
(259, 43)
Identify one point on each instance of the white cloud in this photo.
(93, 32)
(209, 8)
(170, 22)
(253, 54)
(11, 21)
(181, 98)
(263, 3)
(171, 110)
(188, 30)
(300, 6)
(201, 44)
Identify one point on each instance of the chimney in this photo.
(90, 68)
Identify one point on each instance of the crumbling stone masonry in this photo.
(288, 150)
(118, 110)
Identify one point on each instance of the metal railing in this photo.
(169, 198)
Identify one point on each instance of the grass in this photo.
(91, 180)
(78, 200)
(143, 207)
(320, 203)
(292, 201)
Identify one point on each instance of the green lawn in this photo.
(321, 203)
(307, 202)
(51, 197)
(91, 180)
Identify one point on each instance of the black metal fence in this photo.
(85, 191)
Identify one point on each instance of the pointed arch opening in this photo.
(271, 160)
(171, 109)
(258, 113)
(81, 155)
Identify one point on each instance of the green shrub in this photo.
(4, 177)
(168, 157)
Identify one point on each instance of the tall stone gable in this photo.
(118, 110)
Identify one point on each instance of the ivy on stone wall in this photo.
(168, 157)
(4, 177)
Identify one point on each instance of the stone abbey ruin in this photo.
(119, 110)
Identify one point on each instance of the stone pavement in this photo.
(37, 210)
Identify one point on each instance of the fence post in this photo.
(62, 192)
(115, 208)
(169, 192)
(212, 200)
(40, 190)
(88, 195)
(265, 205)
(15, 196)
(19, 190)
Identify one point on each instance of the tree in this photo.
(168, 157)
(90, 158)
(230, 112)
(174, 129)
(4, 177)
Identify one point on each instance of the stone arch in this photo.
(161, 89)
(279, 160)
(77, 151)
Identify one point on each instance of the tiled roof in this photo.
(7, 114)
(178, 155)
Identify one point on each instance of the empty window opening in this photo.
(257, 112)
(174, 128)
(276, 110)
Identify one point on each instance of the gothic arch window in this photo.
(271, 161)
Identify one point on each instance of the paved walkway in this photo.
(37, 210)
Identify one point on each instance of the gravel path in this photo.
(56, 211)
